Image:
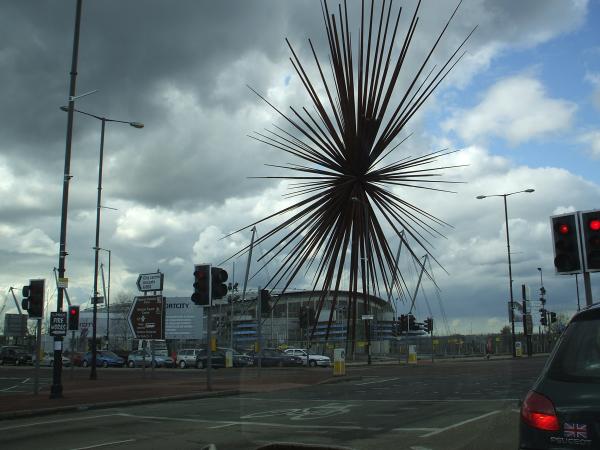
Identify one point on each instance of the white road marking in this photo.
(386, 400)
(50, 422)
(104, 444)
(222, 426)
(415, 429)
(252, 423)
(377, 381)
(460, 424)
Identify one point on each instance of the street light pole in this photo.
(93, 374)
(57, 388)
(366, 274)
(103, 120)
(107, 298)
(510, 279)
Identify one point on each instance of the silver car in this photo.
(313, 360)
(187, 357)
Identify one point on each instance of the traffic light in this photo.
(552, 317)
(33, 300)
(303, 317)
(567, 251)
(429, 325)
(311, 316)
(590, 230)
(73, 318)
(218, 278)
(411, 322)
(403, 323)
(202, 291)
(544, 317)
(265, 302)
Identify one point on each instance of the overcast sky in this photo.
(522, 107)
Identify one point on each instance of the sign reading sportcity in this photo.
(183, 319)
(150, 282)
(147, 317)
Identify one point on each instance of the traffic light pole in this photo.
(57, 388)
(38, 345)
(588, 288)
(209, 348)
(526, 324)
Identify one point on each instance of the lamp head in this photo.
(136, 124)
(529, 190)
(479, 197)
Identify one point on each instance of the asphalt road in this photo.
(466, 405)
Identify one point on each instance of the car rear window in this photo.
(578, 355)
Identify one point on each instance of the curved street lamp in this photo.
(512, 301)
(93, 373)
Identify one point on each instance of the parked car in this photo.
(47, 359)
(238, 359)
(217, 359)
(139, 358)
(12, 354)
(103, 358)
(187, 357)
(77, 357)
(274, 357)
(562, 408)
(313, 359)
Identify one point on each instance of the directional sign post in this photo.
(150, 282)
(147, 317)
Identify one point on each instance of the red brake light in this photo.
(595, 224)
(538, 411)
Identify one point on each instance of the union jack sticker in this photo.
(575, 430)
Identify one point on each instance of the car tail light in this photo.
(538, 412)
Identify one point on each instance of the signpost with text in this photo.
(147, 282)
(147, 317)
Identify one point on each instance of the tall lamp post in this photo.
(366, 272)
(107, 299)
(103, 120)
(510, 280)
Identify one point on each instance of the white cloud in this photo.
(516, 109)
(26, 241)
(592, 140)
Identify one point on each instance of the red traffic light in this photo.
(562, 228)
(594, 224)
(72, 311)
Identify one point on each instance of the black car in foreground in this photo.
(562, 410)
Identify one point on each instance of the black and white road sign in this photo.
(150, 282)
(58, 323)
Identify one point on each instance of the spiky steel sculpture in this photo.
(344, 185)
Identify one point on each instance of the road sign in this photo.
(15, 325)
(147, 317)
(63, 283)
(97, 299)
(150, 282)
(58, 323)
